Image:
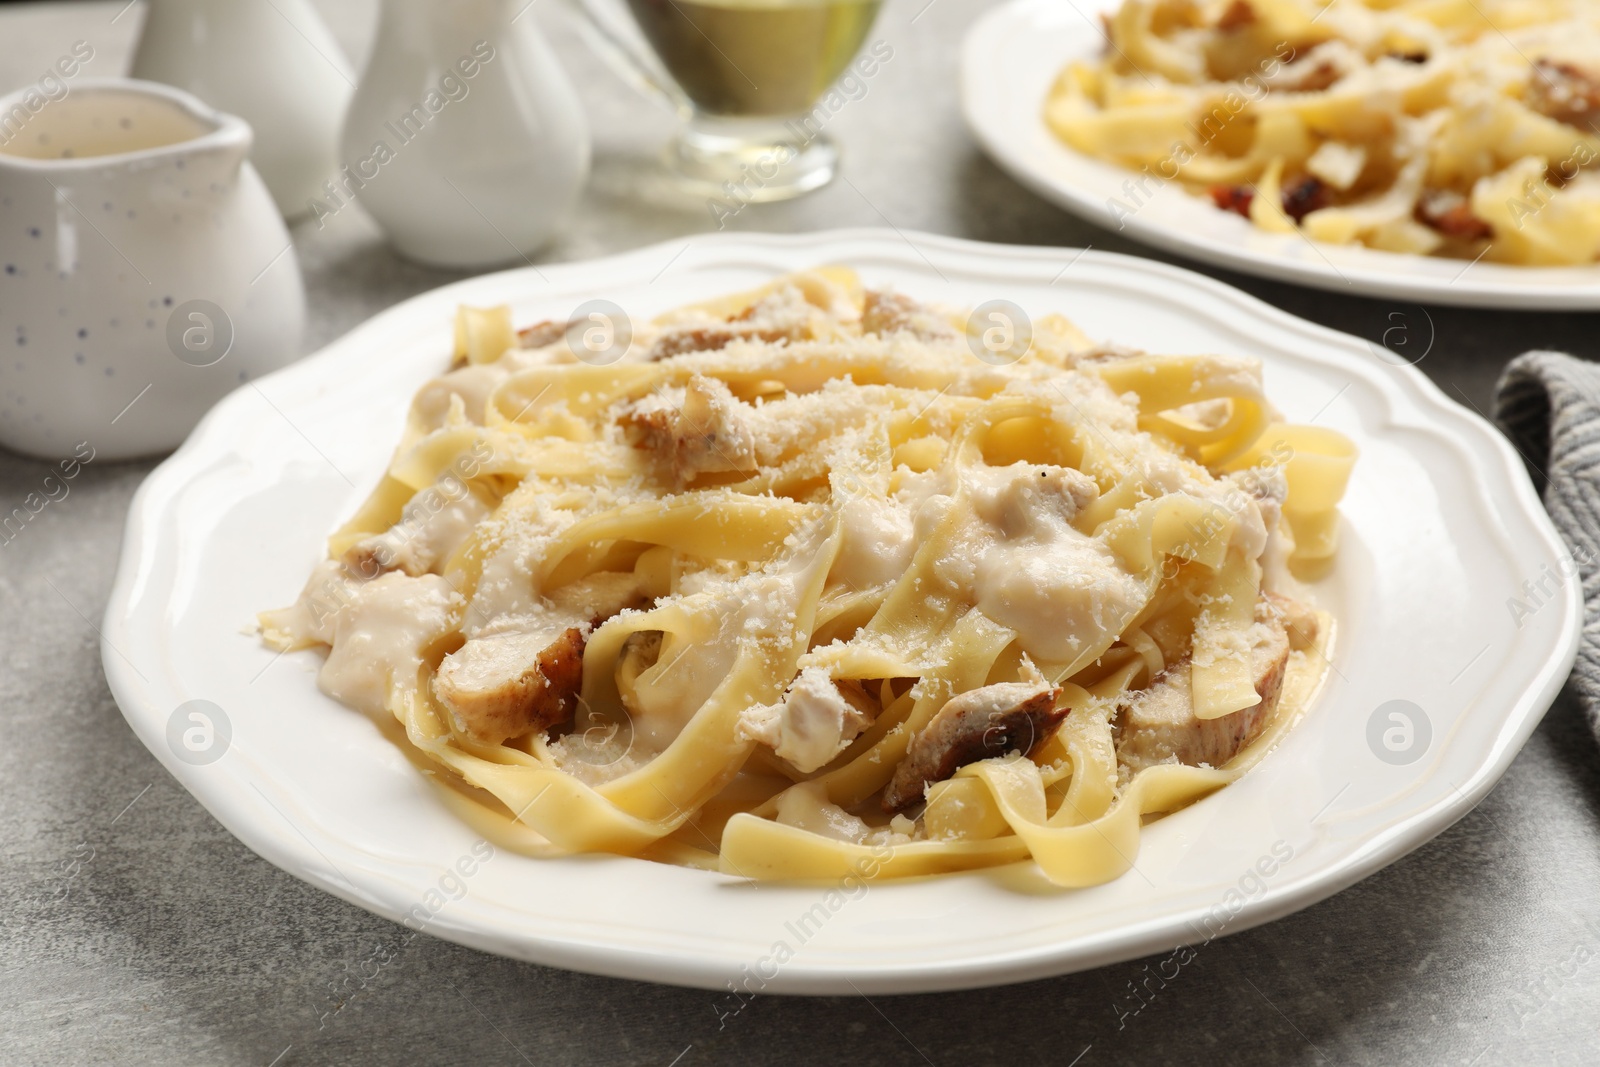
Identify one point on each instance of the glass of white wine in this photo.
(745, 75)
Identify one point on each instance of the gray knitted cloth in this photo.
(1548, 403)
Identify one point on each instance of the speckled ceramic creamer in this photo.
(144, 271)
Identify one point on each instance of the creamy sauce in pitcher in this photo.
(92, 123)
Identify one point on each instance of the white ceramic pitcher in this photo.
(271, 62)
(465, 139)
(144, 271)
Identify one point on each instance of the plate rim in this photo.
(1378, 274)
(1448, 420)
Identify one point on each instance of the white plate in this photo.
(1012, 56)
(1441, 528)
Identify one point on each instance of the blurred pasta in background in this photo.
(1464, 128)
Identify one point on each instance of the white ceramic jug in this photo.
(465, 139)
(144, 271)
(271, 62)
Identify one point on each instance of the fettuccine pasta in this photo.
(809, 584)
(1466, 128)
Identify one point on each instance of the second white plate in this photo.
(1013, 55)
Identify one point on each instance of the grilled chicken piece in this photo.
(1267, 486)
(681, 340)
(783, 315)
(1234, 198)
(886, 313)
(975, 725)
(1322, 66)
(1304, 195)
(816, 720)
(706, 433)
(1299, 620)
(1317, 76)
(598, 597)
(1158, 724)
(433, 524)
(1565, 93)
(1451, 214)
(1020, 499)
(1299, 198)
(1237, 15)
(541, 334)
(507, 684)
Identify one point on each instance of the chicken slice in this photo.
(433, 524)
(1028, 498)
(1566, 93)
(782, 315)
(976, 725)
(1450, 213)
(541, 334)
(816, 720)
(1236, 15)
(598, 597)
(509, 684)
(1267, 486)
(712, 337)
(1158, 725)
(886, 313)
(513, 682)
(1322, 66)
(1299, 620)
(706, 433)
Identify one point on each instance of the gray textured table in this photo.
(137, 930)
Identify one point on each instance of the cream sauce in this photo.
(383, 635)
(811, 725)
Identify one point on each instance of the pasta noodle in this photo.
(1466, 128)
(800, 588)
